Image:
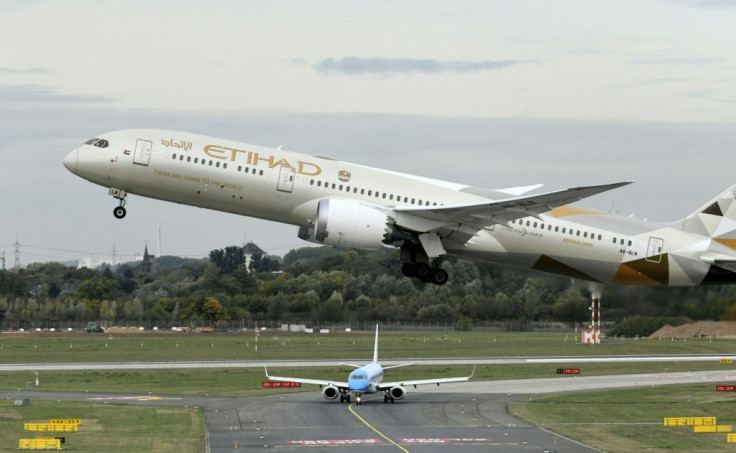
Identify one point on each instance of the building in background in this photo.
(148, 265)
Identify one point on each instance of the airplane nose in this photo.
(70, 161)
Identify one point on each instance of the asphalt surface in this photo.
(468, 416)
(323, 363)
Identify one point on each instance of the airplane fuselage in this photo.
(366, 379)
(291, 188)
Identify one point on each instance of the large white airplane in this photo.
(348, 205)
(367, 379)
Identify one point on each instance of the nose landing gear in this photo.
(119, 212)
(119, 194)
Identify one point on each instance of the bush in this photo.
(645, 326)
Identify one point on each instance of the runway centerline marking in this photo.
(350, 407)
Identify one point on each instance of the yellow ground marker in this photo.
(375, 430)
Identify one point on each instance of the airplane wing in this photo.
(388, 385)
(502, 211)
(307, 381)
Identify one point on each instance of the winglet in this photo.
(375, 348)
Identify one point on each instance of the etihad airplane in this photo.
(348, 205)
(368, 379)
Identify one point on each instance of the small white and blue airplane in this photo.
(367, 379)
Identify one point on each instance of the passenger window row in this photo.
(563, 230)
(370, 193)
(312, 182)
(209, 162)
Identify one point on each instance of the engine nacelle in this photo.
(349, 223)
(330, 392)
(397, 392)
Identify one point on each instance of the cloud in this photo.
(687, 61)
(711, 95)
(29, 71)
(387, 67)
(39, 94)
(713, 4)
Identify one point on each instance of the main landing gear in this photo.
(425, 273)
(345, 398)
(387, 398)
(120, 195)
(422, 257)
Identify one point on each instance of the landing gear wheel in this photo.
(358, 401)
(424, 273)
(119, 212)
(409, 269)
(342, 398)
(439, 276)
(392, 400)
(347, 398)
(385, 398)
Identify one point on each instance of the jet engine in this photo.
(330, 392)
(397, 392)
(349, 223)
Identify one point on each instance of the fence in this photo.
(242, 324)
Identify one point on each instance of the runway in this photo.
(469, 416)
(96, 366)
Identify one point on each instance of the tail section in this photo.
(375, 348)
(716, 219)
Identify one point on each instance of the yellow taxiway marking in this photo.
(375, 430)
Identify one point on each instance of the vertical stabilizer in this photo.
(715, 219)
(375, 348)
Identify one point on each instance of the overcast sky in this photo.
(487, 93)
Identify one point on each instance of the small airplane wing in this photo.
(306, 381)
(501, 211)
(388, 385)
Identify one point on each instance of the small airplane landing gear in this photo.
(120, 194)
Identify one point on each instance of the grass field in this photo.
(76, 347)
(342, 346)
(631, 419)
(108, 427)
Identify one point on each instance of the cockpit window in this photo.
(102, 143)
(358, 376)
(91, 141)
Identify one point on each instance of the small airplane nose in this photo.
(70, 161)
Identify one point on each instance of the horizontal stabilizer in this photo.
(723, 261)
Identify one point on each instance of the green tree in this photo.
(228, 259)
(213, 311)
(571, 306)
(436, 313)
(98, 288)
(13, 284)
